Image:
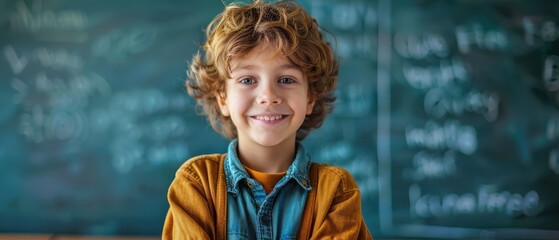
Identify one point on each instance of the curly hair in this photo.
(239, 29)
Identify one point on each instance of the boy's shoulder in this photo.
(336, 176)
(202, 164)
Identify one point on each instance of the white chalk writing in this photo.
(551, 73)
(117, 45)
(452, 135)
(554, 161)
(448, 72)
(40, 19)
(485, 201)
(420, 47)
(39, 125)
(440, 102)
(548, 31)
(58, 59)
(475, 35)
(353, 100)
(16, 63)
(432, 165)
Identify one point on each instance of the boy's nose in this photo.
(268, 96)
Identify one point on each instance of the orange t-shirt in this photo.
(268, 180)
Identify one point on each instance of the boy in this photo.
(266, 81)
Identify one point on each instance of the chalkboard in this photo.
(447, 114)
(467, 119)
(94, 116)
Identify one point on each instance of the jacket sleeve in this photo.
(190, 214)
(339, 214)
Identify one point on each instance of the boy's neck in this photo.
(274, 159)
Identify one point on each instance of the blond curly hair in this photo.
(239, 29)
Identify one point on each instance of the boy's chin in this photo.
(271, 142)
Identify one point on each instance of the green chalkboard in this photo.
(467, 119)
(94, 118)
(447, 113)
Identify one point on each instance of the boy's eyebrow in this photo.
(243, 67)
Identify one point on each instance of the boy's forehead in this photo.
(261, 54)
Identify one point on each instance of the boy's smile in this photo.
(266, 98)
(271, 119)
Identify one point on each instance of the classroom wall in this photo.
(447, 113)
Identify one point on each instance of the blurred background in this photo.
(447, 114)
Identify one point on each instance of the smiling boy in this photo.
(266, 81)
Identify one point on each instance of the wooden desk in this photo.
(104, 238)
(26, 236)
(69, 237)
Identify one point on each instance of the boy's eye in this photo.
(246, 80)
(286, 80)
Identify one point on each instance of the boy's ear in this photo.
(310, 106)
(222, 102)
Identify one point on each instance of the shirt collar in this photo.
(235, 172)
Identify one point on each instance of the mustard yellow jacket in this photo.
(198, 203)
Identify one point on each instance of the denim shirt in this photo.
(251, 214)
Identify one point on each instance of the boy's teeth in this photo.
(269, 118)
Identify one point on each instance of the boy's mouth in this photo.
(268, 117)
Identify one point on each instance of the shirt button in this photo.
(265, 220)
(250, 184)
(304, 182)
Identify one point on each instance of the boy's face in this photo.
(267, 98)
